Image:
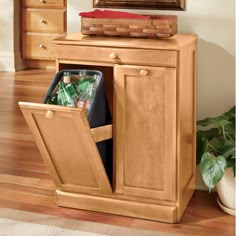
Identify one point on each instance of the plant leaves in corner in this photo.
(212, 169)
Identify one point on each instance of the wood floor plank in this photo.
(26, 189)
(23, 166)
(24, 173)
(43, 183)
(27, 159)
(26, 197)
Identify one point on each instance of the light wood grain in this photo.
(102, 133)
(174, 43)
(145, 132)
(39, 46)
(44, 20)
(186, 119)
(45, 64)
(117, 55)
(67, 146)
(41, 22)
(149, 132)
(201, 217)
(43, 4)
(116, 206)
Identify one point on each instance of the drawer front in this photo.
(118, 55)
(39, 46)
(44, 3)
(44, 20)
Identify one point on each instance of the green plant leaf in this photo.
(230, 129)
(212, 169)
(202, 144)
(209, 134)
(223, 122)
(230, 163)
(228, 150)
(207, 121)
(229, 143)
(217, 143)
(230, 113)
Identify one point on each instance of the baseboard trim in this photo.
(11, 62)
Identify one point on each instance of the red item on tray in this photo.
(112, 14)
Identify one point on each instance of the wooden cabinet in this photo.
(42, 21)
(150, 85)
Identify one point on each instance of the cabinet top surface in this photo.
(173, 43)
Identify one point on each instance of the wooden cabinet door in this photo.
(67, 146)
(145, 128)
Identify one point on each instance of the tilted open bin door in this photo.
(68, 146)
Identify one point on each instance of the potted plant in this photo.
(216, 156)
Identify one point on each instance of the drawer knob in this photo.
(113, 55)
(42, 1)
(43, 21)
(42, 46)
(49, 114)
(143, 72)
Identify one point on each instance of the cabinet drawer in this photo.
(118, 55)
(44, 3)
(39, 46)
(41, 20)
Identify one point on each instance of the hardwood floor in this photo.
(25, 183)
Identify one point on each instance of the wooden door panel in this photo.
(67, 146)
(145, 129)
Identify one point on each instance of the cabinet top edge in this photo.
(174, 43)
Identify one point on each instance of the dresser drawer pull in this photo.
(42, 46)
(42, 1)
(143, 72)
(113, 55)
(43, 21)
(49, 114)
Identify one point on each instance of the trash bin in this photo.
(98, 114)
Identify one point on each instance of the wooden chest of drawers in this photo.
(42, 21)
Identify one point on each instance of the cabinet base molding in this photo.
(116, 206)
(45, 64)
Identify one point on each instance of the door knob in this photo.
(113, 55)
(143, 72)
(49, 114)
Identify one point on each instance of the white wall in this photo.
(10, 57)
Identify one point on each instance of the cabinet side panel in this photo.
(186, 125)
